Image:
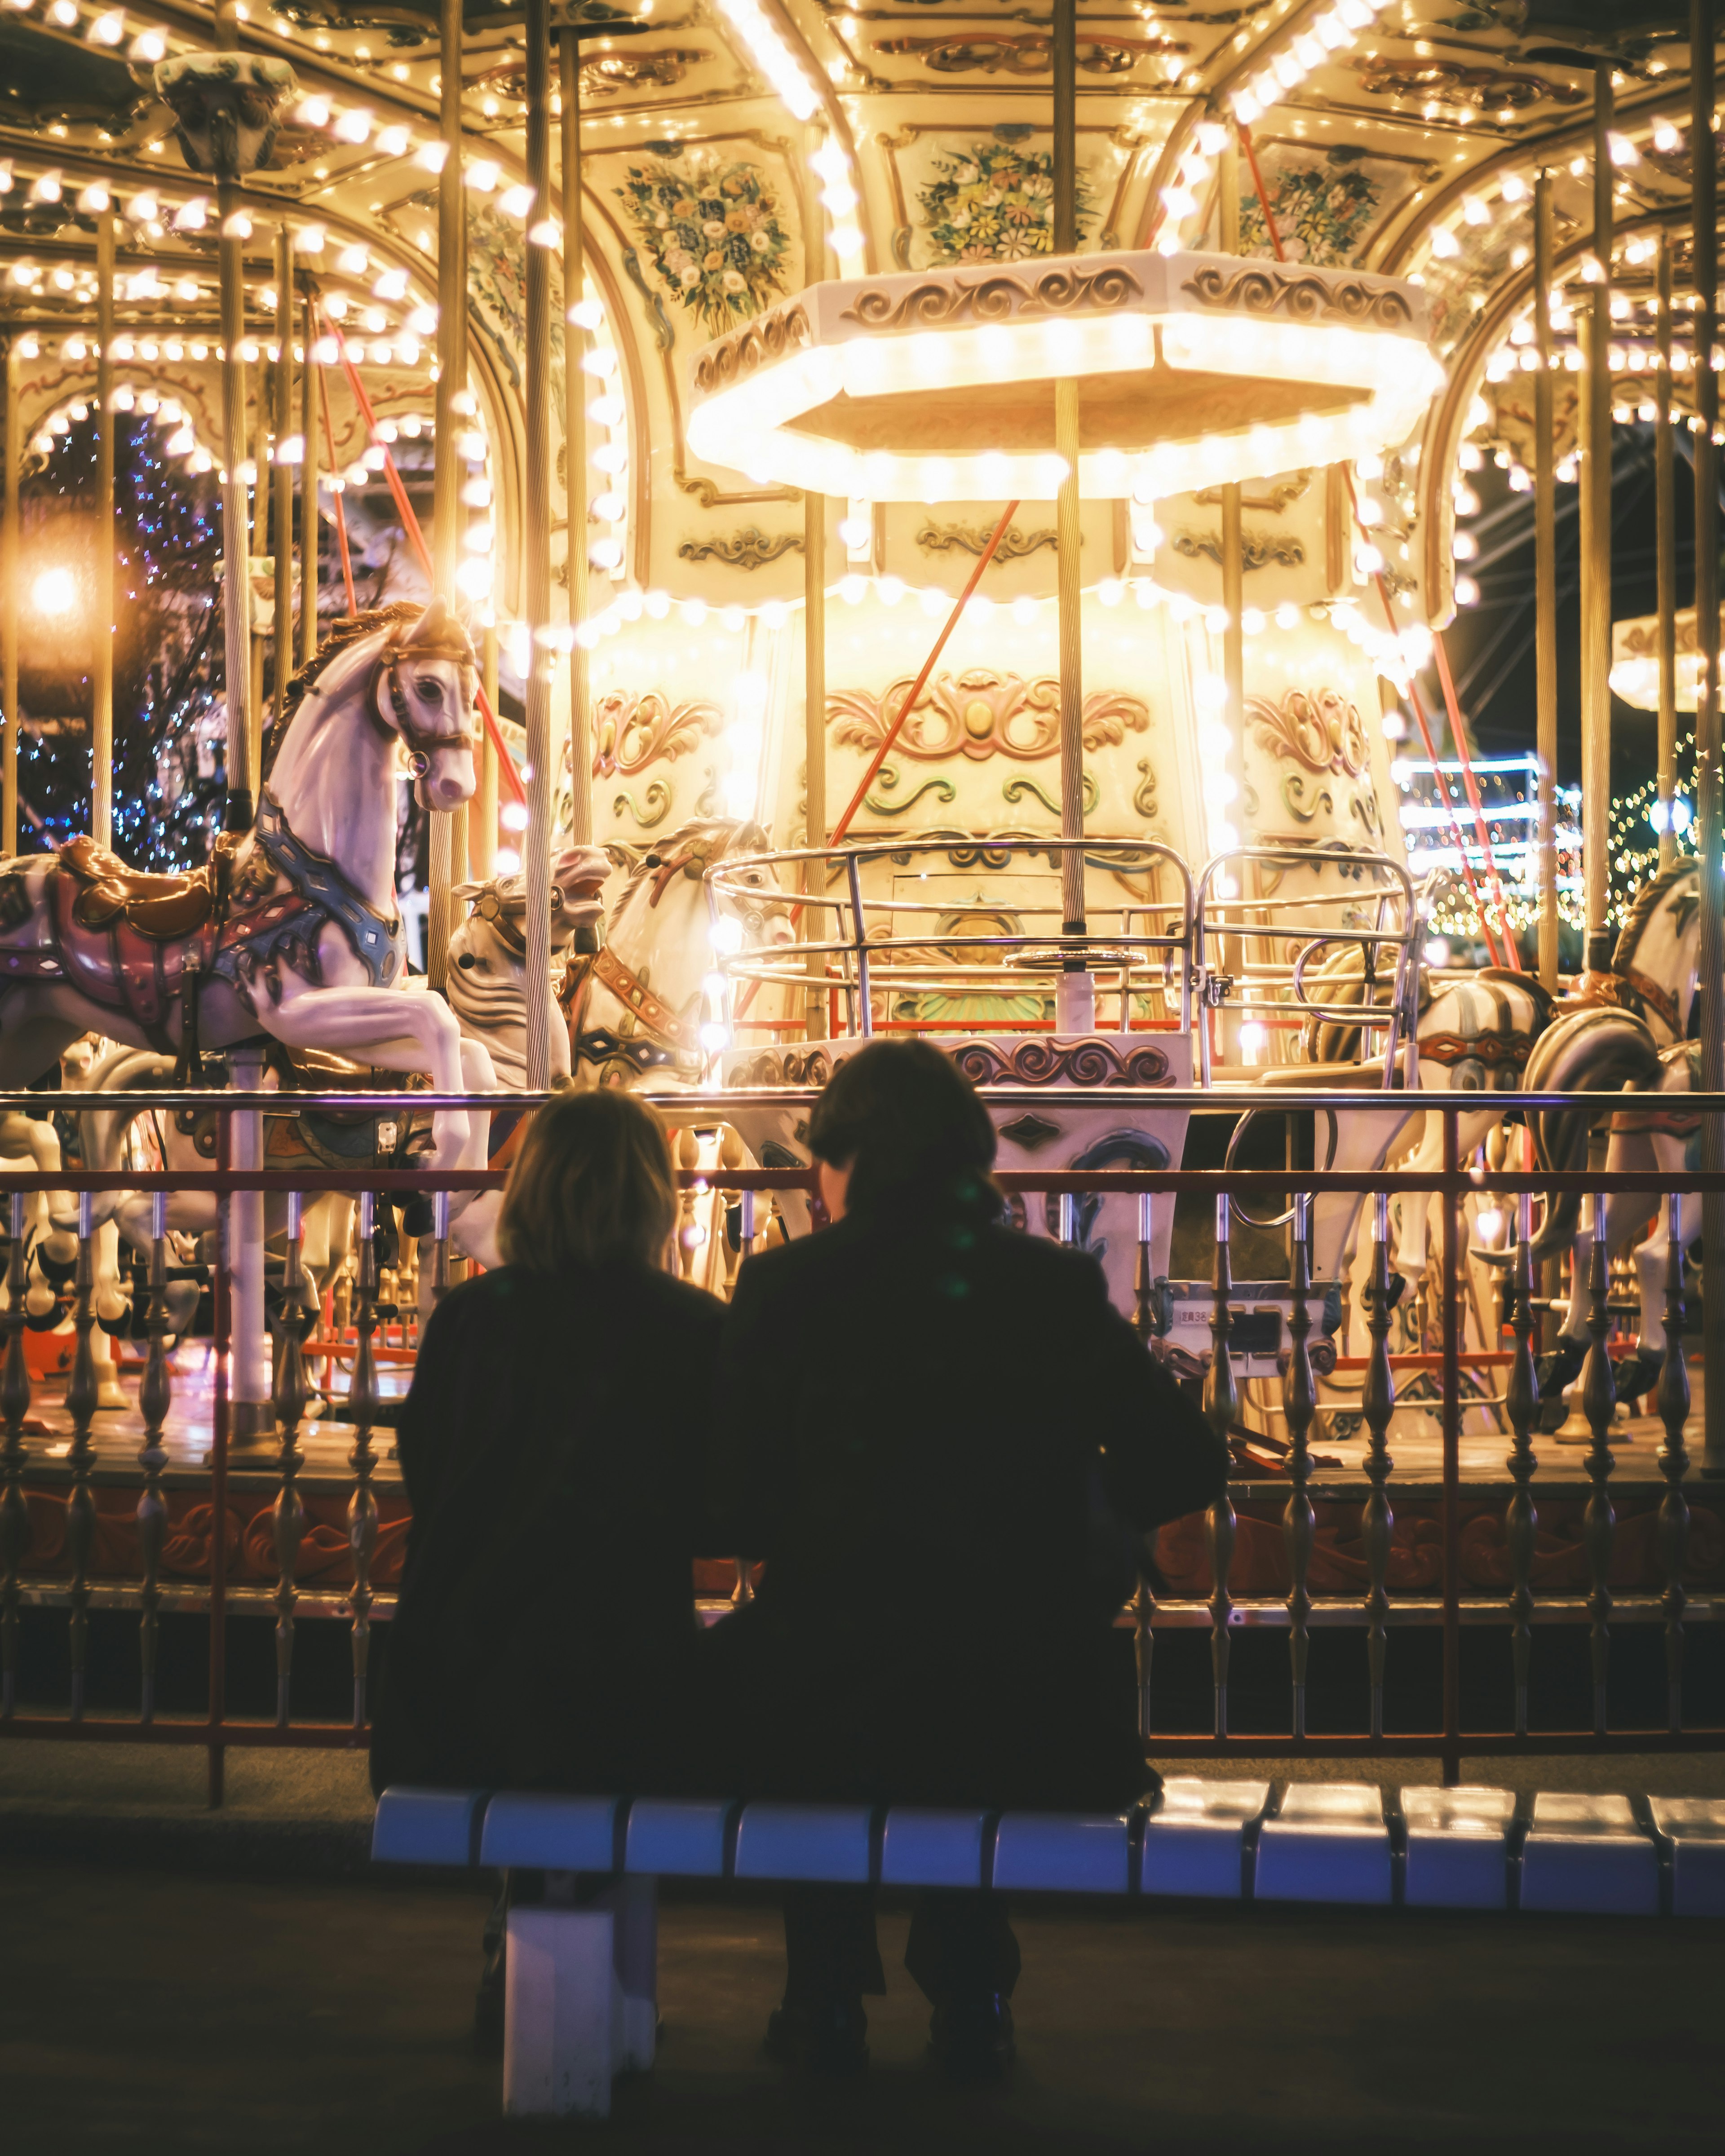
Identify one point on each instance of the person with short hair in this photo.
(544, 1635)
(944, 1441)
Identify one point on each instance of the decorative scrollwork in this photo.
(1302, 295)
(973, 538)
(934, 301)
(784, 1066)
(1027, 52)
(657, 806)
(1015, 789)
(1045, 1062)
(1258, 549)
(1323, 731)
(748, 549)
(630, 732)
(1144, 800)
(1295, 799)
(1271, 498)
(942, 789)
(978, 714)
(769, 337)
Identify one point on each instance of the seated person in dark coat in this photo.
(935, 1431)
(550, 1446)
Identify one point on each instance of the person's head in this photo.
(899, 1127)
(593, 1184)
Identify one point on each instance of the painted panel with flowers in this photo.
(714, 230)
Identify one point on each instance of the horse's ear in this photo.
(463, 891)
(431, 626)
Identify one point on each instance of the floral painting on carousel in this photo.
(1327, 202)
(994, 202)
(714, 230)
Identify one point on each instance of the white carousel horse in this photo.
(292, 929)
(1601, 1050)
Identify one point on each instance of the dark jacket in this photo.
(551, 1449)
(928, 1431)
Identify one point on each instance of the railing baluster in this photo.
(1597, 1390)
(14, 1512)
(1143, 1279)
(1520, 1400)
(1672, 1398)
(1143, 1608)
(288, 1515)
(1221, 1404)
(1378, 1405)
(155, 1398)
(362, 1504)
(440, 1246)
(1299, 1406)
(81, 1400)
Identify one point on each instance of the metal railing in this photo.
(1293, 1487)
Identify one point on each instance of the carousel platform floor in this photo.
(1415, 1442)
(168, 2013)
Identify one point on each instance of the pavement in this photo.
(148, 2011)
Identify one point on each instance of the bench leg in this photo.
(633, 1903)
(561, 2013)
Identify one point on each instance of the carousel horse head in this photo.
(424, 691)
(485, 982)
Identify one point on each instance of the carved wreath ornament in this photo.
(1322, 732)
(978, 714)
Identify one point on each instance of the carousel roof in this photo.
(1400, 141)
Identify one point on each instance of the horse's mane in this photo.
(1646, 903)
(753, 839)
(340, 639)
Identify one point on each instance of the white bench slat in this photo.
(681, 1837)
(831, 1844)
(1586, 1855)
(1694, 1828)
(1458, 1847)
(1065, 1852)
(1328, 1842)
(552, 1833)
(1195, 1840)
(925, 1847)
(428, 1826)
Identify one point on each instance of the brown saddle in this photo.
(165, 907)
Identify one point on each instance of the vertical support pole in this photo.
(236, 578)
(1075, 1009)
(482, 810)
(816, 920)
(1710, 840)
(1596, 551)
(11, 452)
(14, 1406)
(310, 517)
(101, 592)
(362, 1402)
(82, 1400)
(1545, 578)
(1299, 1405)
(155, 1398)
(1672, 1398)
(575, 436)
(1598, 1392)
(282, 473)
(1521, 1522)
(1378, 1405)
(1665, 518)
(535, 581)
(1454, 1288)
(1221, 1404)
(447, 515)
(1232, 555)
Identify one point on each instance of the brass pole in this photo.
(482, 810)
(1545, 580)
(282, 473)
(260, 549)
(1666, 543)
(236, 579)
(1596, 553)
(575, 436)
(536, 577)
(448, 517)
(311, 516)
(1076, 1009)
(1233, 539)
(12, 454)
(818, 922)
(1705, 240)
(102, 593)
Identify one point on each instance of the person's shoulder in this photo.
(676, 1302)
(1051, 1270)
(785, 1268)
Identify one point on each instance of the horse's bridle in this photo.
(420, 745)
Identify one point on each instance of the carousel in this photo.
(648, 545)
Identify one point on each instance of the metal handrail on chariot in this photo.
(862, 960)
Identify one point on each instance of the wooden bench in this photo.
(581, 1980)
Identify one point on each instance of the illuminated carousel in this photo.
(672, 540)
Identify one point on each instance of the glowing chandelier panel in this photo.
(1196, 370)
